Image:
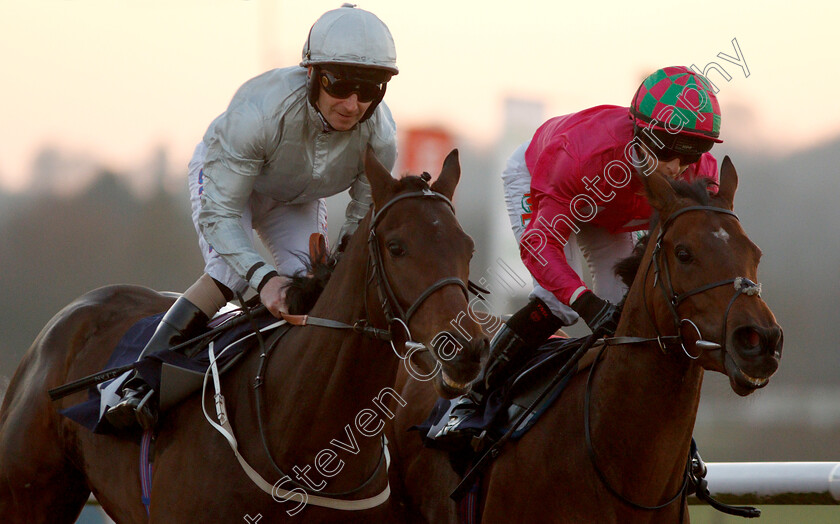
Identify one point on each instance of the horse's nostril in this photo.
(759, 340)
(480, 349)
(747, 338)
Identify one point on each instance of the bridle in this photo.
(662, 280)
(742, 285)
(394, 313)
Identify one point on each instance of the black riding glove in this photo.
(600, 315)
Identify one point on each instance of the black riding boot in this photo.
(526, 330)
(508, 351)
(182, 322)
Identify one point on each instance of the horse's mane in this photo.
(696, 190)
(307, 284)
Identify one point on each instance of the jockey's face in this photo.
(671, 162)
(671, 169)
(341, 113)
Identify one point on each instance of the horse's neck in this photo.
(322, 378)
(647, 400)
(646, 393)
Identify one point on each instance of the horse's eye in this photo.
(396, 248)
(683, 254)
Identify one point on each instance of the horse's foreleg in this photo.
(37, 483)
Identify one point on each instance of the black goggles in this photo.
(688, 151)
(666, 155)
(338, 87)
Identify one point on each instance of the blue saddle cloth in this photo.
(167, 369)
(504, 404)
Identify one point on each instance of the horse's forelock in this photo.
(696, 190)
(412, 183)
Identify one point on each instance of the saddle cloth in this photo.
(505, 404)
(170, 373)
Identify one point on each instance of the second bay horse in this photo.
(614, 447)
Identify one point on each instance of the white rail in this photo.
(791, 483)
(784, 483)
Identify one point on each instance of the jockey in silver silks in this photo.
(289, 138)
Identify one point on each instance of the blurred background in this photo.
(103, 101)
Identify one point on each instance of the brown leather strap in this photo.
(295, 320)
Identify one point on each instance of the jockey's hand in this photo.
(273, 295)
(600, 315)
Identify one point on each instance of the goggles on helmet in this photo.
(667, 146)
(340, 86)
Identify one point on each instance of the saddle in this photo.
(504, 405)
(173, 375)
(176, 376)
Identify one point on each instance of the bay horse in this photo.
(407, 265)
(614, 447)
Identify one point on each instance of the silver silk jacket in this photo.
(271, 141)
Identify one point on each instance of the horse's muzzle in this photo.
(753, 356)
(462, 365)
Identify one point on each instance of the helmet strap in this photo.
(374, 103)
(312, 85)
(312, 90)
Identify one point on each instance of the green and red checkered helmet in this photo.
(677, 100)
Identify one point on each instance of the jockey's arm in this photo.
(235, 156)
(542, 249)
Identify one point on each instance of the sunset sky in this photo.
(114, 79)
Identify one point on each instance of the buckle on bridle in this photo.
(360, 326)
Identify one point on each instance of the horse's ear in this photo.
(381, 181)
(728, 182)
(660, 193)
(319, 253)
(449, 175)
